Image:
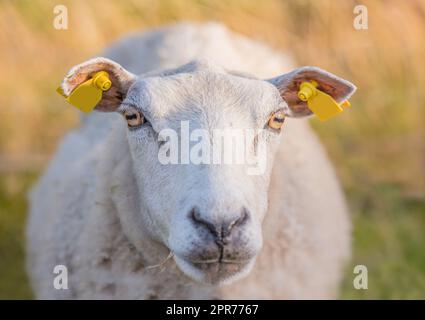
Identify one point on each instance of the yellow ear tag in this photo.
(322, 104)
(88, 94)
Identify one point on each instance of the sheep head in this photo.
(203, 204)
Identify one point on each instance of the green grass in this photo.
(13, 206)
(388, 238)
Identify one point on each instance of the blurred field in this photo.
(377, 146)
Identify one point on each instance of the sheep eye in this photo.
(134, 118)
(276, 120)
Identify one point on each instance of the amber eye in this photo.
(276, 120)
(134, 118)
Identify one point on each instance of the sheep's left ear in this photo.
(289, 84)
(120, 78)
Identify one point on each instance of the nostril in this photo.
(243, 218)
(239, 221)
(221, 231)
(195, 215)
(197, 218)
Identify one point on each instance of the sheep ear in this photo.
(121, 81)
(289, 84)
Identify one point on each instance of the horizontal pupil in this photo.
(131, 117)
(281, 120)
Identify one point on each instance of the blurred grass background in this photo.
(377, 146)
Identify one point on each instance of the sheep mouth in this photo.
(219, 268)
(215, 272)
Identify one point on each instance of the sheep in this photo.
(128, 227)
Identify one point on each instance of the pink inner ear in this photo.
(335, 87)
(288, 85)
(120, 78)
(81, 73)
(289, 93)
(76, 80)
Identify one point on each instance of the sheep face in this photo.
(209, 207)
(202, 143)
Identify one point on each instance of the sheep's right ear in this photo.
(112, 98)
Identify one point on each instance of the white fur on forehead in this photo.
(81, 72)
(204, 88)
(190, 67)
